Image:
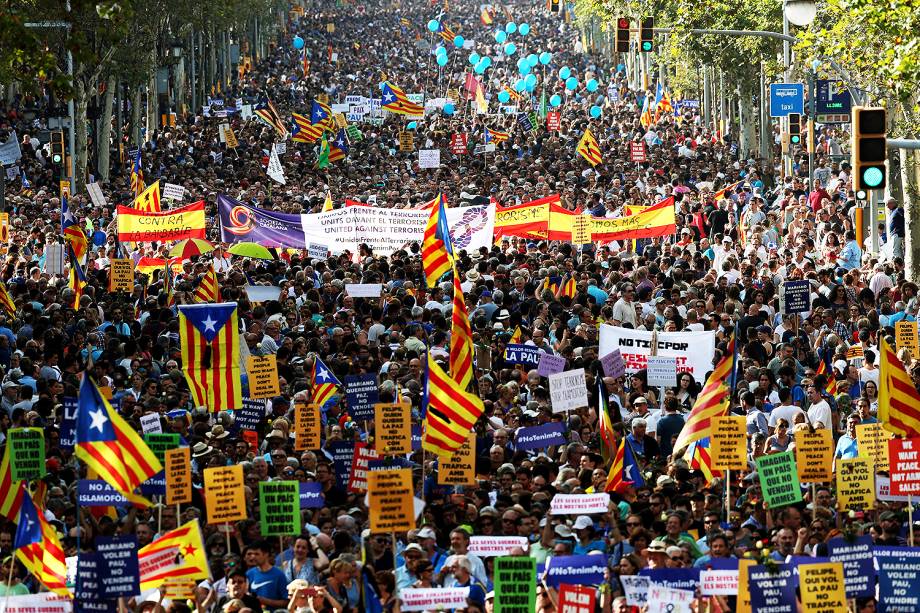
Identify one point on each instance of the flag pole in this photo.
(728, 495)
(910, 518)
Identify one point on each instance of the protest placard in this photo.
(224, 494)
(898, 569)
(576, 598)
(635, 588)
(460, 468)
(494, 546)
(121, 275)
(263, 376)
(579, 504)
(406, 141)
(172, 191)
(364, 454)
(778, 479)
(87, 585)
(772, 589)
(279, 508)
(669, 600)
(567, 390)
(118, 556)
(858, 564)
(538, 437)
(361, 393)
(581, 230)
(744, 592)
(905, 466)
(728, 442)
(160, 443)
(95, 194)
(814, 455)
(661, 370)
(821, 586)
(390, 493)
(433, 598)
(150, 424)
(613, 364)
(311, 495)
(580, 569)
(719, 582)
(796, 297)
(872, 442)
(343, 456)
(905, 333)
(27, 453)
(178, 467)
(525, 355)
(553, 121)
(364, 290)
(392, 434)
(429, 158)
(98, 493)
(515, 585)
(855, 486)
(307, 425)
(550, 364)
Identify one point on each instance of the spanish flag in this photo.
(589, 149)
(657, 220)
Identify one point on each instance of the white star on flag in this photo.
(388, 97)
(322, 374)
(209, 324)
(340, 143)
(99, 419)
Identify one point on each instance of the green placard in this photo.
(161, 443)
(515, 584)
(779, 479)
(279, 508)
(354, 134)
(27, 453)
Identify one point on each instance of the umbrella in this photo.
(251, 250)
(189, 247)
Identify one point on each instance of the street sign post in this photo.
(833, 102)
(786, 98)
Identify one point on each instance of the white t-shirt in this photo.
(784, 412)
(821, 411)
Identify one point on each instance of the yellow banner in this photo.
(658, 220)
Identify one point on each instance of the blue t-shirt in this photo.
(268, 584)
(846, 447)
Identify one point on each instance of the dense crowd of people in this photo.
(721, 271)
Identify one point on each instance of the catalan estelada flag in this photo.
(11, 492)
(645, 118)
(450, 412)
(110, 446)
(149, 200)
(395, 100)
(37, 547)
(338, 149)
(568, 288)
(6, 301)
(73, 233)
(208, 289)
(461, 338)
(304, 131)
(712, 402)
(898, 400)
(210, 342)
(589, 149)
(495, 136)
(265, 111)
(437, 250)
(137, 175)
(515, 336)
(446, 34)
(324, 385)
(184, 541)
(624, 472)
(321, 115)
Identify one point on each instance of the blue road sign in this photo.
(833, 98)
(786, 98)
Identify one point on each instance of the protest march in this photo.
(431, 306)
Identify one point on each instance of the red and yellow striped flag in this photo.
(451, 412)
(437, 251)
(207, 290)
(461, 338)
(210, 342)
(711, 402)
(6, 301)
(589, 149)
(831, 386)
(11, 492)
(38, 548)
(898, 399)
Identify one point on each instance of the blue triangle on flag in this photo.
(208, 319)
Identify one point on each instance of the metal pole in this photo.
(873, 221)
(193, 68)
(707, 99)
(813, 94)
(787, 61)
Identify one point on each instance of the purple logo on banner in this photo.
(898, 569)
(241, 222)
(550, 364)
(540, 436)
(858, 567)
(311, 495)
(576, 570)
(772, 590)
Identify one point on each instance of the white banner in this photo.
(275, 171)
(172, 191)
(567, 390)
(493, 546)
(434, 599)
(635, 588)
(579, 504)
(95, 194)
(719, 582)
(45, 602)
(429, 158)
(10, 153)
(694, 350)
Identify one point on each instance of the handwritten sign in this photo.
(567, 390)
(392, 423)
(613, 364)
(779, 479)
(121, 275)
(263, 376)
(429, 158)
(729, 442)
(460, 468)
(855, 485)
(814, 456)
(662, 371)
(581, 230)
(224, 494)
(178, 467)
(391, 500)
(279, 508)
(550, 364)
(905, 466)
(27, 453)
(406, 141)
(493, 546)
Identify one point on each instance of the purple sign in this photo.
(241, 222)
(858, 566)
(576, 570)
(311, 495)
(341, 454)
(540, 436)
(772, 589)
(613, 364)
(550, 364)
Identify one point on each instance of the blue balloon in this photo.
(530, 80)
(500, 37)
(591, 85)
(440, 51)
(595, 111)
(546, 57)
(510, 48)
(510, 27)
(571, 83)
(411, 125)
(442, 60)
(479, 68)
(433, 25)
(458, 41)
(504, 97)
(298, 42)
(474, 58)
(519, 86)
(522, 61)
(530, 87)
(449, 109)
(532, 60)
(524, 69)
(524, 29)
(555, 100)
(621, 67)
(487, 61)
(565, 72)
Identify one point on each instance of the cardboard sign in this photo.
(719, 582)
(581, 230)
(635, 588)
(263, 376)
(821, 586)
(224, 496)
(151, 424)
(872, 441)
(161, 443)
(360, 463)
(230, 137)
(728, 444)
(178, 467)
(779, 479)
(905, 333)
(576, 598)
(307, 425)
(662, 371)
(494, 546)
(904, 456)
(637, 152)
(27, 453)
(539, 437)
(391, 506)
(279, 508)
(579, 504)
(858, 564)
(663, 599)
(96, 195)
(613, 364)
(855, 485)
(118, 556)
(392, 428)
(433, 599)
(460, 468)
(772, 589)
(550, 364)
(406, 141)
(429, 158)
(814, 456)
(121, 275)
(458, 142)
(173, 191)
(361, 393)
(515, 585)
(567, 390)
(553, 121)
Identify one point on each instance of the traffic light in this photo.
(869, 148)
(57, 148)
(647, 35)
(795, 129)
(622, 35)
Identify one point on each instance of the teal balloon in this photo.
(533, 60)
(298, 42)
(474, 58)
(555, 100)
(510, 48)
(501, 37)
(519, 86)
(595, 111)
(442, 60)
(571, 83)
(449, 109)
(458, 41)
(524, 29)
(530, 87)
(433, 25)
(591, 85)
(524, 69)
(504, 97)
(530, 80)
(510, 27)
(565, 72)
(486, 61)
(411, 125)
(479, 68)
(546, 57)
(440, 51)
